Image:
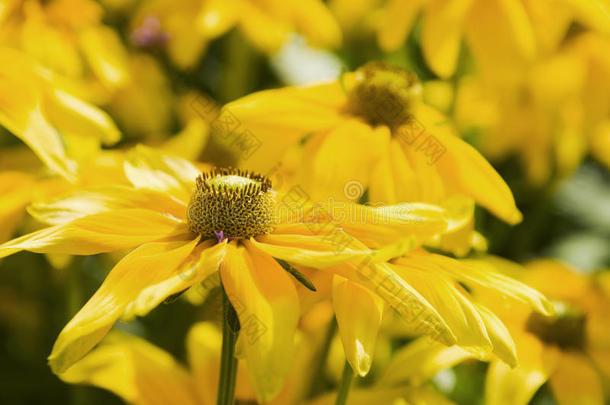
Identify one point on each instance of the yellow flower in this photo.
(368, 133)
(220, 232)
(67, 37)
(38, 108)
(186, 27)
(550, 116)
(501, 34)
(570, 350)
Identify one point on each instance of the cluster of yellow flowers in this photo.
(333, 222)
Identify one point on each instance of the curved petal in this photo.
(135, 370)
(106, 54)
(67, 208)
(420, 360)
(399, 16)
(463, 166)
(516, 386)
(358, 313)
(216, 17)
(147, 265)
(16, 191)
(266, 302)
(594, 13)
(575, 381)
(316, 23)
(501, 340)
(202, 262)
(453, 306)
(274, 120)
(21, 113)
(443, 22)
(147, 168)
(100, 233)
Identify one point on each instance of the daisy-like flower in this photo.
(368, 129)
(187, 226)
(501, 35)
(570, 350)
(186, 27)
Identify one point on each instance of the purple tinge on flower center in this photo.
(220, 236)
(149, 33)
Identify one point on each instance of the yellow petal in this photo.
(21, 113)
(479, 273)
(261, 127)
(575, 381)
(594, 13)
(358, 313)
(315, 22)
(201, 263)
(453, 306)
(516, 386)
(147, 168)
(216, 17)
(266, 33)
(16, 190)
(420, 360)
(464, 167)
(336, 169)
(106, 54)
(147, 265)
(501, 340)
(443, 22)
(99, 233)
(500, 36)
(266, 303)
(135, 370)
(397, 22)
(73, 116)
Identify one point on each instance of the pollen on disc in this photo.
(238, 203)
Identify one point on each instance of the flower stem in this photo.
(346, 382)
(228, 361)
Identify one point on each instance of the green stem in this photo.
(228, 361)
(346, 383)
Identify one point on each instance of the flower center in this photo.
(232, 203)
(384, 95)
(566, 329)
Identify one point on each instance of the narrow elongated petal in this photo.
(149, 169)
(314, 21)
(216, 17)
(61, 210)
(135, 370)
(147, 265)
(358, 313)
(100, 233)
(203, 261)
(16, 190)
(399, 16)
(21, 113)
(459, 313)
(106, 54)
(420, 360)
(266, 302)
(516, 386)
(442, 34)
(501, 340)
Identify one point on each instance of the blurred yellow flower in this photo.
(570, 350)
(67, 37)
(186, 27)
(38, 107)
(550, 116)
(501, 34)
(179, 247)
